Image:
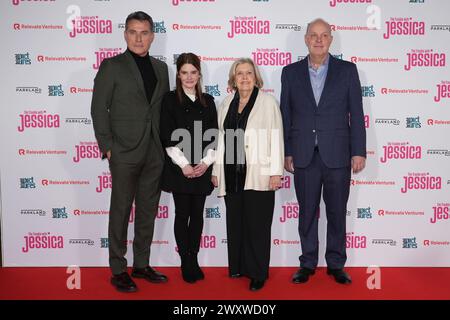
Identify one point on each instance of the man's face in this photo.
(139, 37)
(318, 39)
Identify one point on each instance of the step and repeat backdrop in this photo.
(55, 189)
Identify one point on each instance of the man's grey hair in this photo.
(318, 20)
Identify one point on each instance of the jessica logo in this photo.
(440, 213)
(103, 54)
(355, 242)
(401, 151)
(163, 212)
(208, 242)
(42, 241)
(290, 211)
(104, 182)
(333, 3)
(425, 59)
(92, 25)
(248, 25)
(421, 181)
(404, 27)
(443, 91)
(271, 57)
(86, 150)
(38, 119)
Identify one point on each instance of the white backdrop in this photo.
(55, 189)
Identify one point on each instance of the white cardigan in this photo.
(264, 146)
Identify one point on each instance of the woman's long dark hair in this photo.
(189, 58)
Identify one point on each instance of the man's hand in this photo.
(289, 164)
(188, 171)
(358, 163)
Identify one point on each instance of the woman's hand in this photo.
(200, 169)
(188, 171)
(214, 181)
(275, 182)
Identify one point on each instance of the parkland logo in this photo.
(421, 181)
(248, 25)
(38, 120)
(400, 150)
(42, 240)
(90, 25)
(404, 27)
(425, 58)
(271, 57)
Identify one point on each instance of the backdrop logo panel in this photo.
(55, 187)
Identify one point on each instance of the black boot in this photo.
(187, 268)
(198, 273)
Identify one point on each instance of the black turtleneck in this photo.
(148, 74)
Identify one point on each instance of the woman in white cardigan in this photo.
(248, 170)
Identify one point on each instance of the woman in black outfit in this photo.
(187, 170)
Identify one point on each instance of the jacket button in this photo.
(246, 146)
(187, 110)
(314, 131)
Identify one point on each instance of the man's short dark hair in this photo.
(140, 16)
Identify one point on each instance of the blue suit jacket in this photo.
(338, 120)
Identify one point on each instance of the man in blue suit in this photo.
(325, 139)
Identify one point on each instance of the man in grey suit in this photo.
(125, 110)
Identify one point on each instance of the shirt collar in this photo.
(324, 64)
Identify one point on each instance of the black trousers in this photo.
(138, 182)
(188, 224)
(335, 183)
(249, 222)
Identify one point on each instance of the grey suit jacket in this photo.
(124, 121)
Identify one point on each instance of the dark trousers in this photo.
(188, 224)
(335, 182)
(138, 182)
(249, 222)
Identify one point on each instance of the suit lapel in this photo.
(158, 75)
(304, 77)
(135, 71)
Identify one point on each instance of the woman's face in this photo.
(245, 77)
(189, 76)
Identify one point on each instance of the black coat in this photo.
(182, 116)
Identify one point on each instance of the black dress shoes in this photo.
(235, 275)
(149, 274)
(123, 282)
(340, 276)
(256, 285)
(302, 275)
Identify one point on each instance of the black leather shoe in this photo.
(123, 282)
(256, 284)
(149, 274)
(235, 275)
(302, 275)
(340, 276)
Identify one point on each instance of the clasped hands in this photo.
(196, 171)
